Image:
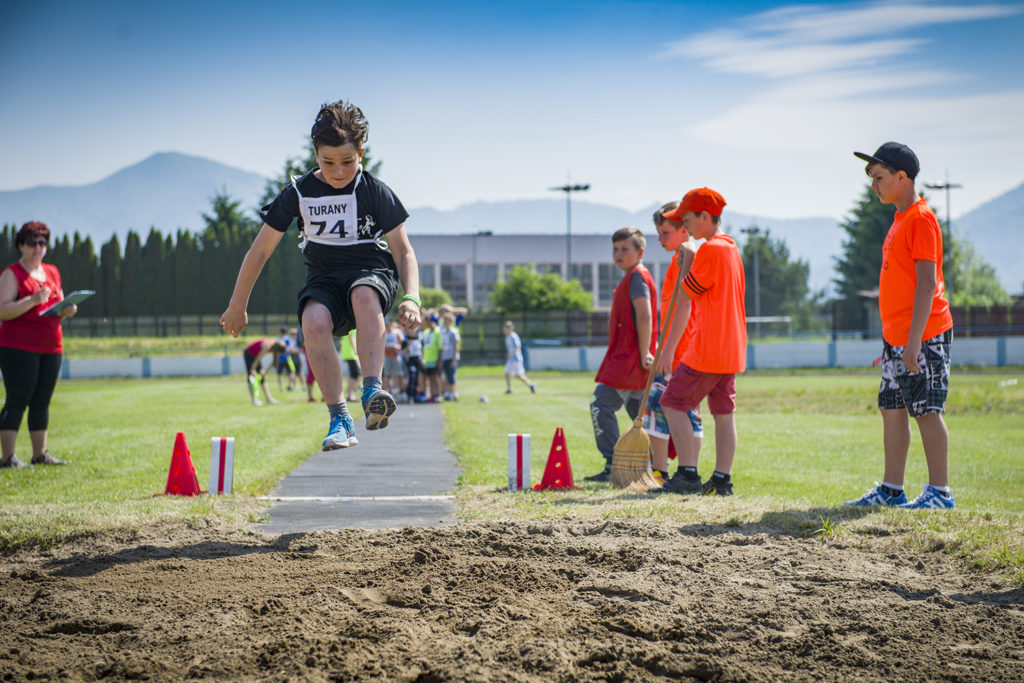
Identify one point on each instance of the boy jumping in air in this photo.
(351, 279)
(917, 331)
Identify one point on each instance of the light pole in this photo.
(754, 231)
(947, 186)
(568, 190)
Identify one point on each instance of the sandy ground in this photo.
(564, 600)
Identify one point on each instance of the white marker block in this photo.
(518, 462)
(222, 464)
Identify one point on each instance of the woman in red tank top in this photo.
(30, 344)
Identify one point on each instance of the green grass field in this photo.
(808, 441)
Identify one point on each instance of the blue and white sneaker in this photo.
(931, 499)
(877, 497)
(341, 434)
(378, 406)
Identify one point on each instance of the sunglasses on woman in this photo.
(37, 243)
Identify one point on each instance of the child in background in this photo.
(296, 358)
(255, 373)
(917, 331)
(717, 349)
(351, 361)
(631, 342)
(392, 358)
(356, 253)
(431, 356)
(300, 340)
(514, 366)
(413, 346)
(451, 342)
(283, 361)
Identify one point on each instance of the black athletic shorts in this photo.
(334, 290)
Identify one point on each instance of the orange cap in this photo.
(701, 199)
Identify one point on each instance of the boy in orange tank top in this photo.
(917, 331)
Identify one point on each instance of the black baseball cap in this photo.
(895, 156)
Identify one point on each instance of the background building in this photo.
(468, 266)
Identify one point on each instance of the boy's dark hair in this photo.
(639, 241)
(339, 123)
(277, 348)
(31, 231)
(659, 215)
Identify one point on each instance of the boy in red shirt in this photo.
(717, 349)
(631, 340)
(917, 328)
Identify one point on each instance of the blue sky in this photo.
(473, 101)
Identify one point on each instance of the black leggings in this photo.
(29, 379)
(414, 364)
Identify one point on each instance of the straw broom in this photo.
(631, 460)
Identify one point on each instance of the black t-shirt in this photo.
(378, 211)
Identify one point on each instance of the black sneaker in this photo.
(603, 476)
(718, 487)
(679, 483)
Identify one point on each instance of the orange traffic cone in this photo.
(181, 479)
(557, 473)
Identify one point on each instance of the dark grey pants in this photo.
(603, 405)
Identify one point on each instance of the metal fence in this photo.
(483, 339)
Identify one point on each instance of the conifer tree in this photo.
(858, 267)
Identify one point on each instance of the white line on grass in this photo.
(352, 499)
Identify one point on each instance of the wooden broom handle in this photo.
(661, 341)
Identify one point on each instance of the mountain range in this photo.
(169, 191)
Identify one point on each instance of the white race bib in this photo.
(331, 220)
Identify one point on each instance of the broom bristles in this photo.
(631, 461)
(644, 484)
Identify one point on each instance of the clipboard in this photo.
(70, 300)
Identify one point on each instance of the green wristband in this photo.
(413, 299)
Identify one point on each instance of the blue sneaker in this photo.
(877, 497)
(931, 499)
(341, 434)
(378, 406)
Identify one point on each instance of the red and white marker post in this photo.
(222, 464)
(518, 462)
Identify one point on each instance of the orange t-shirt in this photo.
(914, 236)
(716, 282)
(667, 285)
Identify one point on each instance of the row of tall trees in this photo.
(184, 273)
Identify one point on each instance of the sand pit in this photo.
(568, 600)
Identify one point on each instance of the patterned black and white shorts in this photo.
(924, 392)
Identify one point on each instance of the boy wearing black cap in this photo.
(917, 331)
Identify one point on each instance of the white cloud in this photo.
(822, 80)
(781, 57)
(807, 39)
(822, 23)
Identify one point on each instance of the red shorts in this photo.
(688, 387)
